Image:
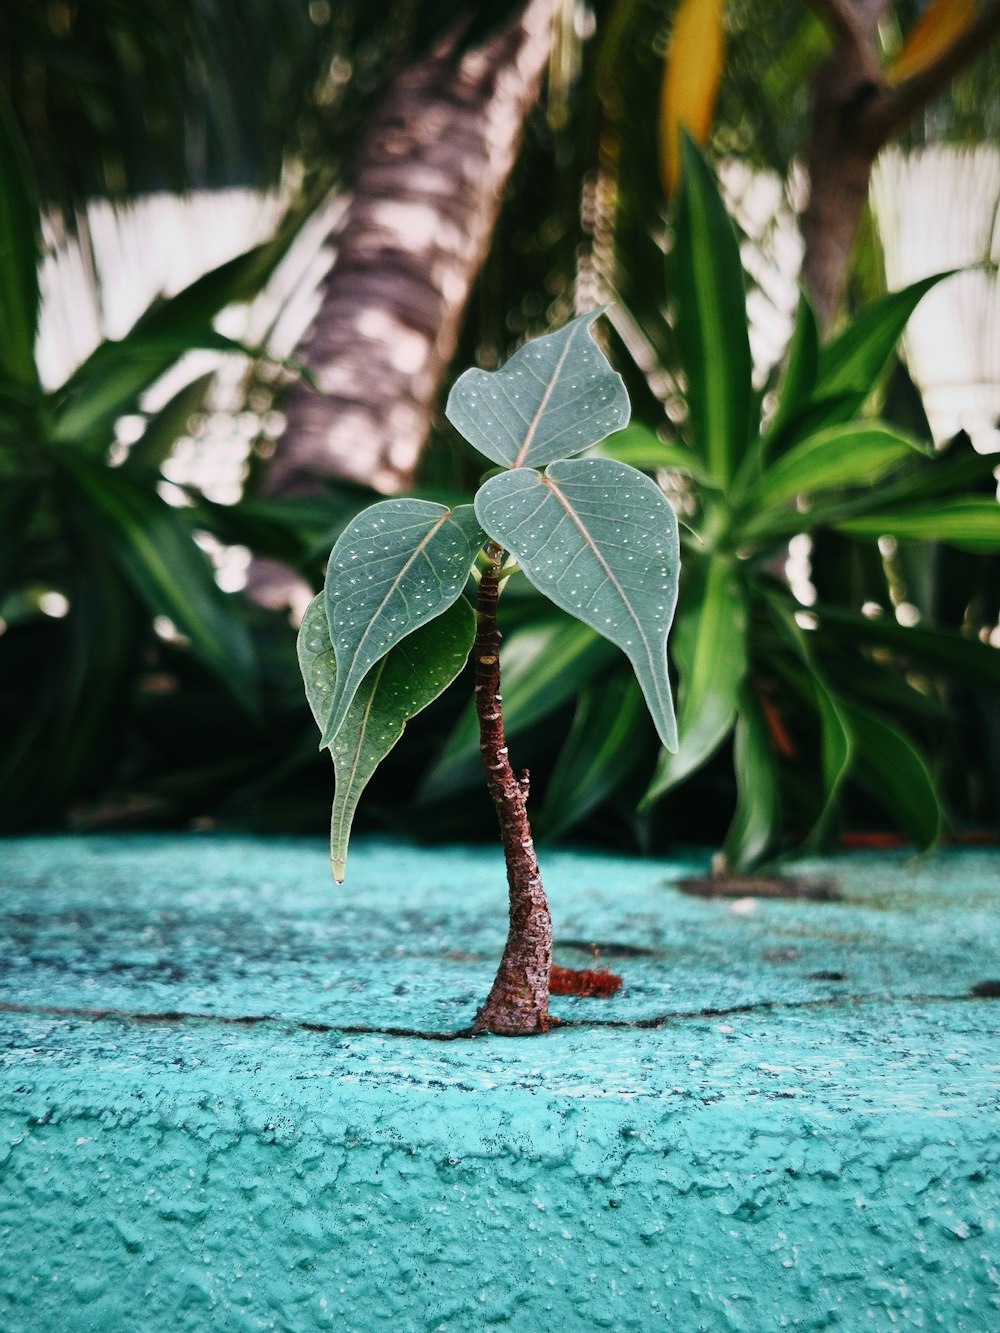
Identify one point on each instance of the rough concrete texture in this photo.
(787, 1118)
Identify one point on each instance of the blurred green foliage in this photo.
(105, 719)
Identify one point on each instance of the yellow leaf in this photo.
(932, 34)
(690, 80)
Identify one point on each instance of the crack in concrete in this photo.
(363, 1029)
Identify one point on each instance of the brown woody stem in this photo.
(518, 1003)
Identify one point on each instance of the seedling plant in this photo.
(394, 625)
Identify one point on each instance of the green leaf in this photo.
(541, 666)
(758, 809)
(19, 254)
(938, 477)
(600, 541)
(605, 742)
(801, 367)
(946, 651)
(808, 45)
(711, 319)
(812, 417)
(895, 775)
(642, 448)
(397, 687)
(114, 377)
(162, 432)
(153, 546)
(18, 499)
(853, 455)
(836, 740)
(856, 358)
(710, 648)
(237, 280)
(968, 522)
(555, 397)
(395, 566)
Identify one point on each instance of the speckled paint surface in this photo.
(787, 1118)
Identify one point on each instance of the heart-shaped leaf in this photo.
(396, 566)
(555, 397)
(398, 687)
(600, 540)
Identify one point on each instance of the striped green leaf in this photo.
(895, 775)
(642, 448)
(397, 687)
(707, 278)
(114, 377)
(19, 255)
(801, 368)
(599, 539)
(938, 650)
(856, 357)
(852, 455)
(757, 817)
(606, 741)
(836, 738)
(542, 665)
(162, 432)
(554, 398)
(397, 565)
(154, 548)
(971, 523)
(710, 648)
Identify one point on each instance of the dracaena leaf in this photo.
(608, 739)
(600, 540)
(555, 397)
(970, 522)
(711, 320)
(856, 357)
(19, 254)
(396, 688)
(801, 366)
(850, 455)
(541, 666)
(896, 774)
(395, 566)
(710, 648)
(758, 807)
(153, 545)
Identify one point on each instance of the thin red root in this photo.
(574, 981)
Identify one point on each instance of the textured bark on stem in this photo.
(518, 1003)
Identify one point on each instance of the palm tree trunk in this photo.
(432, 171)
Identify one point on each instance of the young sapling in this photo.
(392, 627)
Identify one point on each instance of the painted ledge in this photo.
(224, 1103)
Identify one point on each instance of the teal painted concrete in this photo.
(788, 1118)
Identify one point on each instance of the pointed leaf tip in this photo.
(600, 540)
(398, 687)
(555, 397)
